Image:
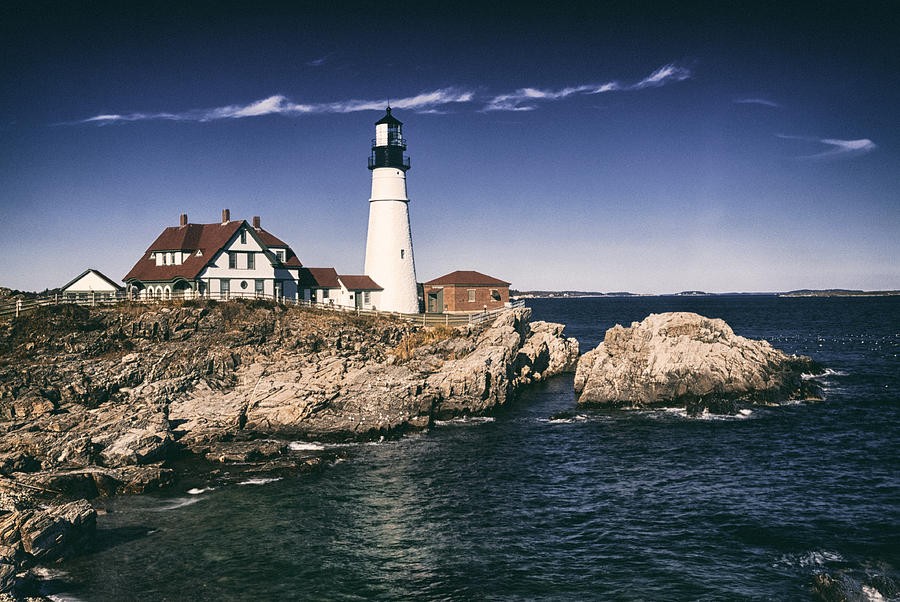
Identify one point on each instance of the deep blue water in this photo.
(610, 505)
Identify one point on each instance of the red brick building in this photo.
(465, 291)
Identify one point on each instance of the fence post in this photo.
(446, 319)
(56, 299)
(93, 299)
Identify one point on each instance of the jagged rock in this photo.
(137, 447)
(91, 400)
(31, 536)
(246, 451)
(546, 352)
(687, 359)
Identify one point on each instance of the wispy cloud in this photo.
(757, 101)
(527, 99)
(662, 76)
(839, 148)
(434, 102)
(319, 61)
(281, 105)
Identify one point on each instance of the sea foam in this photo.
(463, 420)
(305, 446)
(180, 502)
(260, 481)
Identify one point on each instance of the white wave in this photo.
(305, 446)
(62, 597)
(260, 481)
(661, 413)
(196, 491)
(465, 420)
(573, 419)
(872, 594)
(828, 372)
(180, 502)
(815, 559)
(48, 573)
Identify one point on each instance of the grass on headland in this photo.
(408, 345)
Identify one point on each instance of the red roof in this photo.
(319, 277)
(469, 277)
(359, 283)
(206, 238)
(269, 239)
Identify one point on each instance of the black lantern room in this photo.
(388, 144)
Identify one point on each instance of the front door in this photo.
(435, 303)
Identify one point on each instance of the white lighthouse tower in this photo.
(389, 251)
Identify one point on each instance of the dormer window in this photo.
(280, 254)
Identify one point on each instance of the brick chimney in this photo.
(226, 216)
(183, 219)
(256, 222)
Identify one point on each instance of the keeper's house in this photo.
(90, 284)
(465, 291)
(325, 285)
(220, 260)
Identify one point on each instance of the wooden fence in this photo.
(13, 308)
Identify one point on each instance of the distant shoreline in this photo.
(799, 293)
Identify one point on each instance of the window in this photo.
(471, 295)
(225, 287)
(366, 298)
(251, 261)
(259, 287)
(244, 284)
(402, 253)
(232, 260)
(243, 237)
(280, 254)
(324, 293)
(495, 294)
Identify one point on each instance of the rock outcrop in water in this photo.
(99, 402)
(686, 359)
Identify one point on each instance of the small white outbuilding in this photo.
(90, 282)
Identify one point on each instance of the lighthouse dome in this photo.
(389, 119)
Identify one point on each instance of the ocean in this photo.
(609, 504)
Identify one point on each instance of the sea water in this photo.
(606, 504)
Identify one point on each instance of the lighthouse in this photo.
(389, 251)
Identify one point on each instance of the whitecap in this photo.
(260, 481)
(575, 418)
(464, 420)
(48, 573)
(177, 503)
(663, 413)
(305, 446)
(197, 491)
(828, 372)
(62, 597)
(872, 594)
(814, 558)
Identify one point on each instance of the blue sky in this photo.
(603, 146)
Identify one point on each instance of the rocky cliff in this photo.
(688, 360)
(98, 402)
